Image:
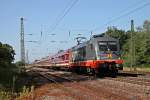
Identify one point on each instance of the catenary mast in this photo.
(22, 41)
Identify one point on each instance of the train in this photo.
(100, 55)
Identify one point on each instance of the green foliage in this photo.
(4, 95)
(6, 76)
(20, 63)
(141, 44)
(6, 53)
(7, 70)
(146, 26)
(118, 34)
(25, 91)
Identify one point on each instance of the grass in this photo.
(140, 69)
(5, 95)
(10, 88)
(26, 91)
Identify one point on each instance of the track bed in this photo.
(81, 87)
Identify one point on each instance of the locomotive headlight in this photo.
(117, 65)
(119, 58)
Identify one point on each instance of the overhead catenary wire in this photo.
(131, 6)
(123, 15)
(64, 13)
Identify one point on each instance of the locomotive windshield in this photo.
(103, 46)
(112, 46)
(107, 45)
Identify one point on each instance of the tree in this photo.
(6, 53)
(141, 43)
(141, 39)
(146, 26)
(118, 34)
(19, 63)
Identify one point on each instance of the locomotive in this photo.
(99, 56)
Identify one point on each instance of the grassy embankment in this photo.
(139, 69)
(10, 88)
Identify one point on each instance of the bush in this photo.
(4, 95)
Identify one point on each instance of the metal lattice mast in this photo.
(132, 46)
(22, 42)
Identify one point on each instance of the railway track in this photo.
(133, 80)
(81, 87)
(58, 78)
(52, 76)
(47, 77)
(117, 88)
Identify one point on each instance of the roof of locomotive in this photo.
(99, 37)
(104, 38)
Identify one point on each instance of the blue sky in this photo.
(85, 16)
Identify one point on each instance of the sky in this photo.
(60, 17)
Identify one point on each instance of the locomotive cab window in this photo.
(103, 46)
(107, 45)
(112, 46)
